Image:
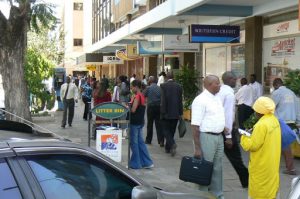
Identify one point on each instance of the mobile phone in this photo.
(243, 132)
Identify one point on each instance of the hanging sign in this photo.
(149, 47)
(121, 54)
(112, 60)
(214, 34)
(179, 43)
(91, 67)
(110, 110)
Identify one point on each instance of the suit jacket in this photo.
(171, 100)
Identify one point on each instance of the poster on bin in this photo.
(109, 143)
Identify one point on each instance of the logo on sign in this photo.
(284, 27)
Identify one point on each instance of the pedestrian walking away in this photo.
(231, 145)
(152, 93)
(208, 123)
(86, 96)
(256, 86)
(171, 110)
(264, 145)
(70, 93)
(287, 109)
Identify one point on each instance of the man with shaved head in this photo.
(208, 123)
(152, 93)
(171, 110)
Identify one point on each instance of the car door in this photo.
(77, 176)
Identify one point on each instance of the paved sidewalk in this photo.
(166, 170)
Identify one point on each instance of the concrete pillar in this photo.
(253, 46)
(199, 66)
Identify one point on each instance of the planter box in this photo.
(187, 114)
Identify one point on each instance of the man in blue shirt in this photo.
(287, 110)
(152, 93)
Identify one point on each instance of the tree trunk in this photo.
(14, 84)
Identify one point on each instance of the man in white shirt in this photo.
(245, 100)
(161, 78)
(257, 87)
(231, 148)
(208, 123)
(68, 93)
(132, 78)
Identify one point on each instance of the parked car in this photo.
(295, 189)
(38, 165)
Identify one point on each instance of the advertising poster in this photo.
(238, 60)
(280, 56)
(109, 143)
(215, 61)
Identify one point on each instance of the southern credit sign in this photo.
(214, 34)
(110, 110)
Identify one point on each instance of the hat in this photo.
(264, 105)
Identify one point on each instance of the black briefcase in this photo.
(197, 171)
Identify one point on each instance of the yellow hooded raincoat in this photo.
(264, 146)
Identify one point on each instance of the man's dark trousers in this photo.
(69, 105)
(169, 129)
(153, 115)
(235, 158)
(86, 107)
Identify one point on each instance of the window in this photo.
(8, 185)
(77, 42)
(79, 177)
(78, 6)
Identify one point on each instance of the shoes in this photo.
(149, 167)
(291, 172)
(173, 150)
(70, 125)
(63, 126)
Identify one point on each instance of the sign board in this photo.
(121, 54)
(110, 110)
(214, 34)
(91, 67)
(149, 47)
(109, 143)
(179, 43)
(131, 50)
(112, 60)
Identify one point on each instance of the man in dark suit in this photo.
(171, 110)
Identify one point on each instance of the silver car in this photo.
(35, 165)
(295, 189)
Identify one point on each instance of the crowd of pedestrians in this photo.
(214, 128)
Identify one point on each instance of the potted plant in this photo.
(188, 78)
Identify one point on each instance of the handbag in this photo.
(287, 134)
(197, 171)
(181, 128)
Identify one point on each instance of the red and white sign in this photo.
(284, 47)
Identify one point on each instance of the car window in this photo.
(79, 177)
(8, 185)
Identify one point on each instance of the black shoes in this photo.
(70, 125)
(173, 150)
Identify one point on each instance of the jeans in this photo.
(140, 156)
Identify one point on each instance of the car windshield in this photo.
(78, 177)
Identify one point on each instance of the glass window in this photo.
(77, 42)
(79, 177)
(8, 185)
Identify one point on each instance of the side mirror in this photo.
(143, 192)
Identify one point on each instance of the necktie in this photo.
(66, 93)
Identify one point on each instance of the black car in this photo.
(37, 165)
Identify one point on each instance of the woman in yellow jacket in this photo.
(264, 146)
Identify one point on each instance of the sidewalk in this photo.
(166, 170)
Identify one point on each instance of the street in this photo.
(166, 168)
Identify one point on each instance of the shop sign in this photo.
(149, 47)
(214, 34)
(179, 43)
(109, 143)
(121, 54)
(110, 110)
(284, 47)
(91, 67)
(112, 60)
(283, 27)
(131, 50)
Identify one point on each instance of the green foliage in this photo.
(292, 81)
(37, 69)
(188, 78)
(250, 122)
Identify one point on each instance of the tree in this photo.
(24, 14)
